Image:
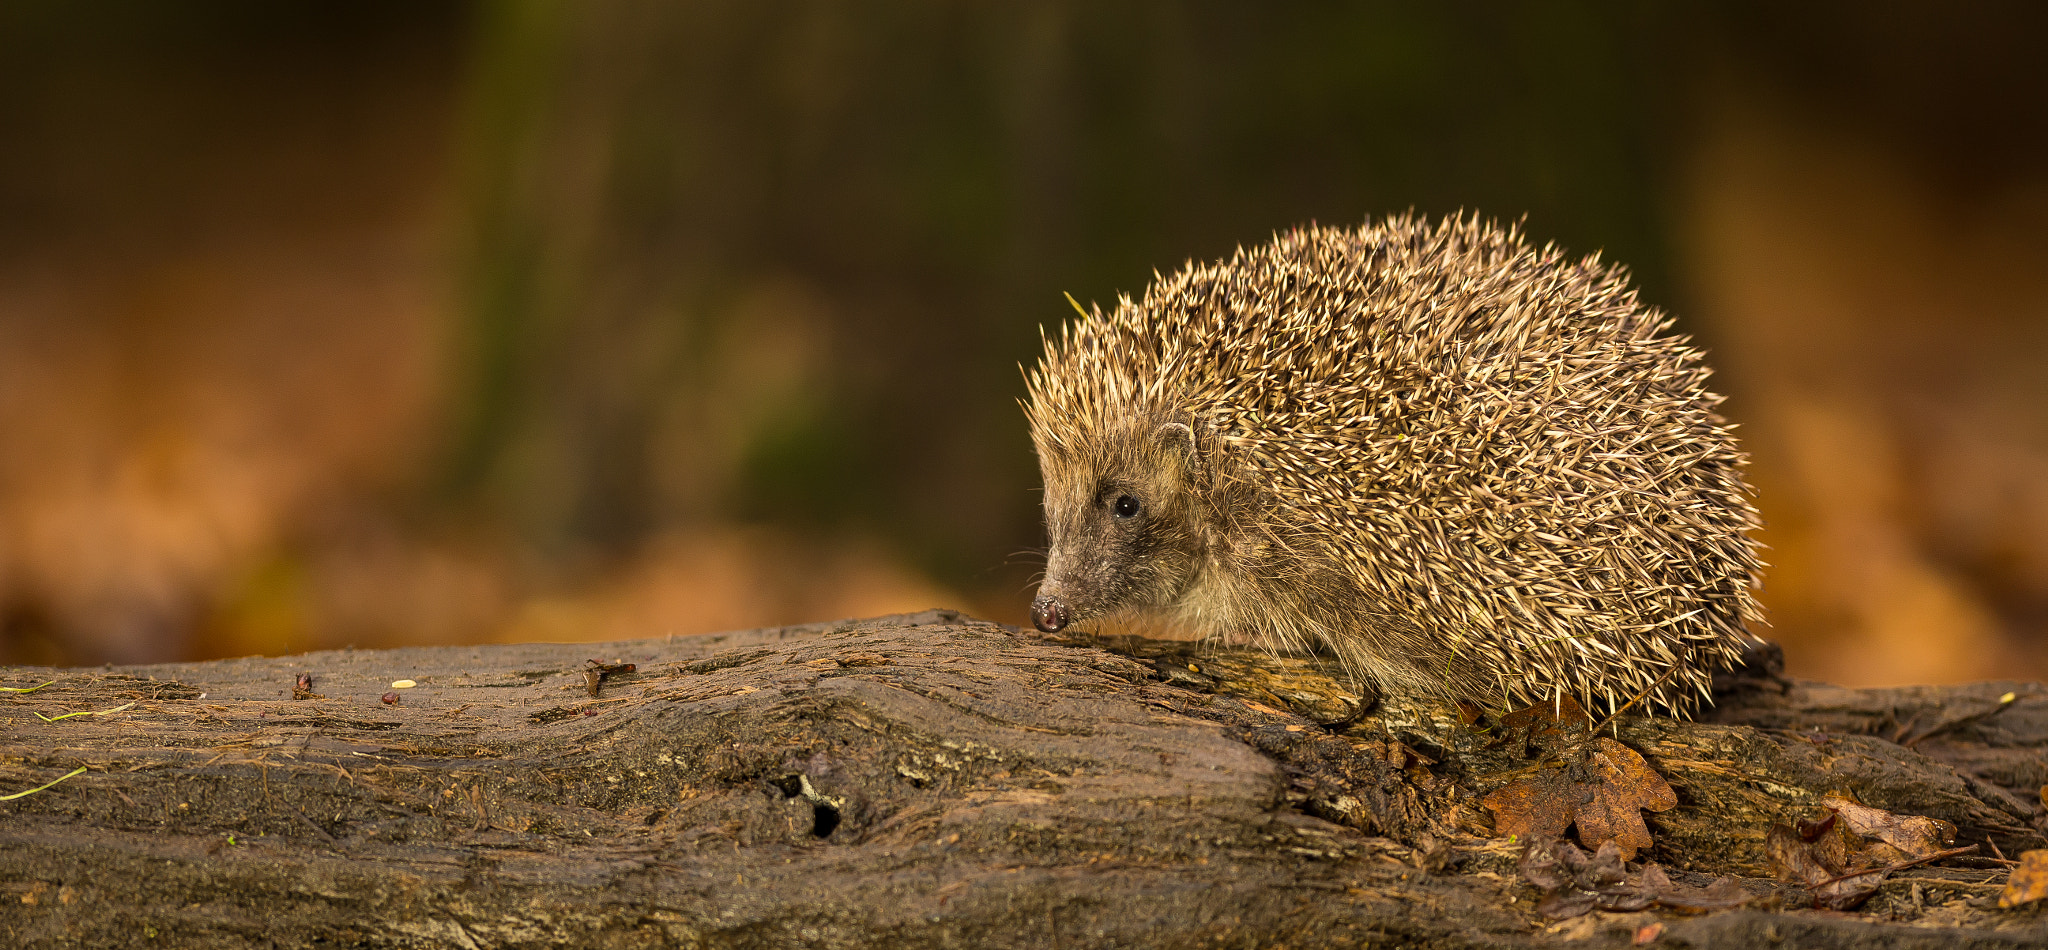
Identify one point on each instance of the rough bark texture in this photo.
(922, 781)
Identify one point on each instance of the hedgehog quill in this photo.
(1465, 466)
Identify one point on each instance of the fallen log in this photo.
(928, 781)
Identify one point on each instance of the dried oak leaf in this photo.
(1551, 725)
(1541, 804)
(1573, 883)
(1913, 836)
(1550, 863)
(2029, 881)
(1627, 787)
(1806, 862)
(1719, 895)
(1829, 843)
(1843, 855)
(1828, 865)
(1604, 793)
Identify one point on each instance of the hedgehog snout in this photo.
(1049, 613)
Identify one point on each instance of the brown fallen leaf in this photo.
(1553, 726)
(1913, 836)
(1820, 866)
(1540, 804)
(1469, 714)
(1842, 855)
(1832, 847)
(1721, 894)
(1626, 788)
(2029, 881)
(1603, 790)
(1572, 882)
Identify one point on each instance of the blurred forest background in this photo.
(378, 323)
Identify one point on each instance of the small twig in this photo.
(344, 773)
(32, 791)
(88, 712)
(296, 813)
(1905, 729)
(1639, 697)
(1936, 856)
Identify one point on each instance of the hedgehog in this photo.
(1466, 467)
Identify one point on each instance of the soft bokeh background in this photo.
(402, 322)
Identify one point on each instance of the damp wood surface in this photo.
(924, 781)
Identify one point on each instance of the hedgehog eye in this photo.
(1126, 507)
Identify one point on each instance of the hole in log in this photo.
(825, 818)
(824, 813)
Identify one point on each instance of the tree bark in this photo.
(923, 781)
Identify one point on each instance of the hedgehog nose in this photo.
(1048, 614)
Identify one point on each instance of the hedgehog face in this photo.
(1121, 519)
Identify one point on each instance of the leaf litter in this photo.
(1844, 854)
(2029, 881)
(1573, 882)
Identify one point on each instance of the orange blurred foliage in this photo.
(239, 307)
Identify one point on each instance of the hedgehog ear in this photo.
(1178, 438)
